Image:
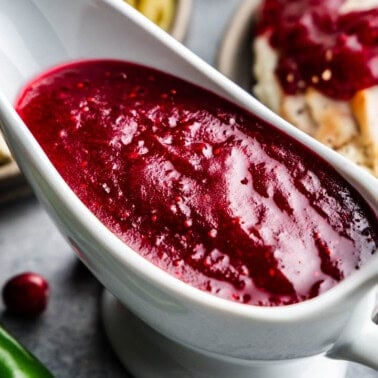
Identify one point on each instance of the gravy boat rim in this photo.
(120, 252)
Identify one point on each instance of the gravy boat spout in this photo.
(39, 34)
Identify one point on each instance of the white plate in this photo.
(235, 54)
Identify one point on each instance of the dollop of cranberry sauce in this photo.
(322, 47)
(206, 191)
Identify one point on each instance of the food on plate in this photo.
(203, 189)
(26, 294)
(161, 12)
(316, 65)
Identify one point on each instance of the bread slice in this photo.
(295, 110)
(365, 109)
(349, 127)
(267, 88)
(355, 152)
(334, 118)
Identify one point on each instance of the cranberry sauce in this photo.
(204, 190)
(319, 46)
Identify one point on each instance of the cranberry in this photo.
(26, 294)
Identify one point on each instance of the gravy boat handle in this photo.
(359, 340)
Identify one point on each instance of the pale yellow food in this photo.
(161, 12)
(334, 119)
(5, 156)
(295, 109)
(349, 127)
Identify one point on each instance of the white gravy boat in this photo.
(214, 337)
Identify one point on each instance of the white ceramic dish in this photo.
(12, 182)
(219, 332)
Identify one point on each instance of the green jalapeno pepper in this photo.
(17, 362)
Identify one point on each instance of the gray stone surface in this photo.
(69, 337)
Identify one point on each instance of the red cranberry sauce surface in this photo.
(319, 46)
(206, 191)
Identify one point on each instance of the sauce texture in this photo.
(206, 191)
(322, 47)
